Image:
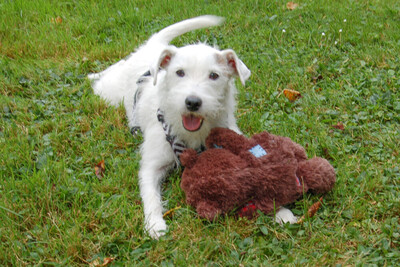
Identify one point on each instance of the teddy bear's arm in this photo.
(188, 158)
(227, 139)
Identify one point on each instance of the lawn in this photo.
(342, 56)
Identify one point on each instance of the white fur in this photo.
(284, 215)
(164, 89)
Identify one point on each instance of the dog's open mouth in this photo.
(192, 122)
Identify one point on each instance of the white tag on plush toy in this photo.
(258, 151)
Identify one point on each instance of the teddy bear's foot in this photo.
(208, 210)
(318, 174)
(284, 215)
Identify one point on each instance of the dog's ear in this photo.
(236, 65)
(162, 61)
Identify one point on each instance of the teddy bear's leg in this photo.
(318, 174)
(208, 210)
(299, 151)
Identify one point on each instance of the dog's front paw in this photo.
(156, 228)
(284, 215)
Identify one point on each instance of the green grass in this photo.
(53, 131)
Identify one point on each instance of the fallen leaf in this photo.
(171, 211)
(57, 20)
(339, 126)
(292, 95)
(94, 263)
(106, 261)
(99, 169)
(311, 211)
(292, 5)
(315, 79)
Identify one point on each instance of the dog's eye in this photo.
(213, 76)
(180, 73)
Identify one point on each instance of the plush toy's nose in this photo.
(193, 103)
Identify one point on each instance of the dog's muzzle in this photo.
(193, 103)
(192, 122)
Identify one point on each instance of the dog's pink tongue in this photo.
(191, 122)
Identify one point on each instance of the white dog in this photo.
(175, 96)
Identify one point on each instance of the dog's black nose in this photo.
(193, 103)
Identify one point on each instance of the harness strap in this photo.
(135, 130)
(177, 146)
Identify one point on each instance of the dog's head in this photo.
(196, 86)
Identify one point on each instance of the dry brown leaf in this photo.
(94, 263)
(311, 211)
(57, 20)
(316, 79)
(339, 126)
(171, 211)
(291, 5)
(106, 261)
(292, 95)
(99, 169)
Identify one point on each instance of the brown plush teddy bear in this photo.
(268, 170)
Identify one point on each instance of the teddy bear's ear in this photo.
(188, 158)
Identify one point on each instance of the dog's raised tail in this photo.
(166, 35)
